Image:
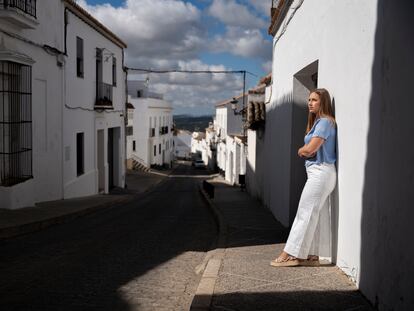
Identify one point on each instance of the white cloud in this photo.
(199, 92)
(157, 32)
(263, 6)
(246, 43)
(169, 34)
(267, 66)
(231, 13)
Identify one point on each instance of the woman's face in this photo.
(314, 103)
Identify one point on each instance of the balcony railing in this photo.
(104, 95)
(26, 6)
(163, 130)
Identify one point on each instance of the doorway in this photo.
(101, 160)
(304, 81)
(114, 154)
(110, 158)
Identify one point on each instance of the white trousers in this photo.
(311, 229)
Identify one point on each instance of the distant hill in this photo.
(192, 123)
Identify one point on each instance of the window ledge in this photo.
(103, 107)
(13, 56)
(17, 18)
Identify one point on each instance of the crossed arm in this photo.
(309, 150)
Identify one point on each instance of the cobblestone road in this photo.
(140, 256)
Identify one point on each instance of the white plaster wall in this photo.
(221, 129)
(321, 30)
(141, 129)
(131, 137)
(47, 81)
(79, 113)
(162, 111)
(182, 144)
(151, 113)
(234, 124)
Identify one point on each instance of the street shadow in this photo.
(92, 262)
(277, 156)
(387, 233)
(290, 299)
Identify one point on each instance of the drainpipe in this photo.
(65, 17)
(125, 69)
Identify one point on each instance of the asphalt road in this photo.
(140, 256)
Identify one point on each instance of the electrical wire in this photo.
(93, 110)
(190, 71)
(47, 48)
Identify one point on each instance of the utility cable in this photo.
(190, 71)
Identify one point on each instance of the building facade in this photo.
(256, 165)
(49, 135)
(228, 126)
(182, 145)
(152, 139)
(364, 65)
(30, 121)
(94, 106)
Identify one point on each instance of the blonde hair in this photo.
(325, 109)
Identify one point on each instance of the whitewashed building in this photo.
(182, 144)
(361, 52)
(94, 106)
(256, 166)
(211, 147)
(152, 138)
(31, 150)
(54, 140)
(198, 145)
(228, 126)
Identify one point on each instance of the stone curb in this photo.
(11, 232)
(205, 289)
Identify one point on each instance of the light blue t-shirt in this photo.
(326, 129)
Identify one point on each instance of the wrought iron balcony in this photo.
(103, 96)
(25, 6)
(163, 130)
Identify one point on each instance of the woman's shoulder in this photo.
(326, 121)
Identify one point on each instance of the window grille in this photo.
(114, 71)
(15, 123)
(26, 6)
(79, 57)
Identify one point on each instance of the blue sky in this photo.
(191, 35)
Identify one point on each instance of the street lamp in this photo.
(234, 103)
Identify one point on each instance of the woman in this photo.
(311, 225)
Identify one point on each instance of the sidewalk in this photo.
(238, 275)
(42, 215)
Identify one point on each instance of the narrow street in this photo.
(139, 256)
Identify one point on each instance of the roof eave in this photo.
(94, 23)
(278, 15)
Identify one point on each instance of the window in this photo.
(155, 150)
(159, 148)
(15, 123)
(139, 93)
(129, 131)
(113, 71)
(79, 154)
(133, 145)
(79, 57)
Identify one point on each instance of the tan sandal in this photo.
(312, 261)
(289, 261)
